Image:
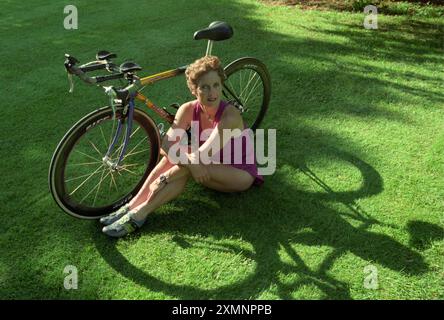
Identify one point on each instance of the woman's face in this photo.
(209, 89)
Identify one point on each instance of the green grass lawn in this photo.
(359, 181)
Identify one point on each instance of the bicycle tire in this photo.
(84, 129)
(259, 79)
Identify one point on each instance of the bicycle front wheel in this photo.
(83, 183)
(248, 84)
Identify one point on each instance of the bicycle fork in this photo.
(115, 165)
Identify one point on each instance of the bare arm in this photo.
(181, 122)
(231, 120)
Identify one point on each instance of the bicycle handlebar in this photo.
(70, 65)
(123, 94)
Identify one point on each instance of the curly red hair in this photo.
(200, 67)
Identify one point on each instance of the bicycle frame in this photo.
(152, 79)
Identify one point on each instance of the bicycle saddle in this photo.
(105, 55)
(217, 31)
(129, 67)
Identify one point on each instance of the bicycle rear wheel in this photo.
(86, 186)
(248, 84)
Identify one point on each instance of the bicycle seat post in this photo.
(209, 47)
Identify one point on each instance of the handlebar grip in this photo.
(82, 75)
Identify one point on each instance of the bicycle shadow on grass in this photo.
(282, 222)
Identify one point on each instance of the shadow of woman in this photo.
(275, 226)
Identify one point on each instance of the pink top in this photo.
(241, 154)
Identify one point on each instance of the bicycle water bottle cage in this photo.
(129, 67)
(216, 31)
(105, 55)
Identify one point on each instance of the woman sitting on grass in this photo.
(168, 179)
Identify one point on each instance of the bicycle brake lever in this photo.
(71, 83)
(112, 95)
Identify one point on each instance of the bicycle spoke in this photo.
(135, 147)
(103, 136)
(132, 134)
(258, 81)
(112, 133)
(84, 164)
(250, 103)
(240, 82)
(93, 188)
(119, 149)
(244, 93)
(248, 83)
(232, 88)
(114, 181)
(88, 155)
(241, 87)
(132, 165)
(131, 154)
(129, 171)
(94, 146)
(79, 177)
(110, 184)
(85, 180)
(100, 183)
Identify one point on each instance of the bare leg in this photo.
(141, 197)
(144, 193)
(161, 193)
(226, 178)
(223, 178)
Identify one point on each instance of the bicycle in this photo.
(117, 146)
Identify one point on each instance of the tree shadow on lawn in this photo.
(410, 43)
(321, 74)
(399, 40)
(282, 221)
